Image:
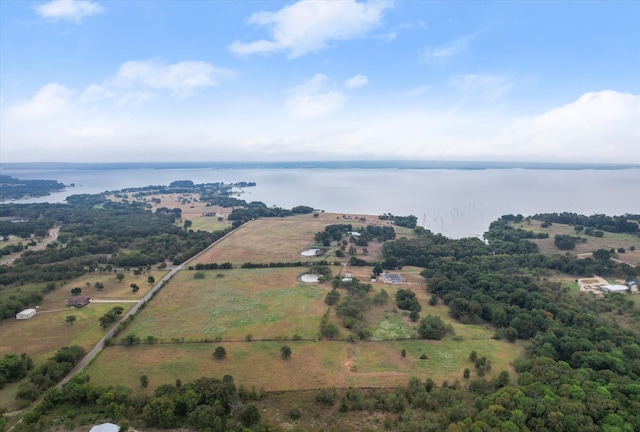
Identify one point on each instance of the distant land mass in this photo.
(378, 164)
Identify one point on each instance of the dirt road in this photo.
(53, 236)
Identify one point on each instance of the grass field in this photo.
(608, 241)
(271, 303)
(322, 364)
(230, 304)
(46, 332)
(284, 239)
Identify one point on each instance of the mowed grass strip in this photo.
(312, 364)
(229, 304)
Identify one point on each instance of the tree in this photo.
(432, 327)
(219, 353)
(99, 285)
(151, 280)
(249, 415)
(285, 352)
(332, 298)
(119, 276)
(70, 319)
(187, 224)
(602, 254)
(76, 291)
(144, 381)
(134, 287)
(377, 269)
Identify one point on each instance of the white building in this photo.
(26, 314)
(614, 288)
(106, 427)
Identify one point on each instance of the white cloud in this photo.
(445, 52)
(485, 87)
(51, 100)
(182, 79)
(600, 126)
(314, 98)
(415, 92)
(72, 10)
(356, 81)
(309, 26)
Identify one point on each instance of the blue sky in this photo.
(102, 80)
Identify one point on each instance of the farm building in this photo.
(79, 301)
(105, 427)
(614, 288)
(26, 314)
(392, 278)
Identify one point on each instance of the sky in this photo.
(150, 81)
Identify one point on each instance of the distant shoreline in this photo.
(388, 164)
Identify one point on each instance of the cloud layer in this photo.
(309, 26)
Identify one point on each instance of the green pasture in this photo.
(229, 304)
(42, 335)
(321, 364)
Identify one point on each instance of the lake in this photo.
(454, 202)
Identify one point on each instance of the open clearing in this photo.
(230, 304)
(607, 241)
(284, 239)
(313, 365)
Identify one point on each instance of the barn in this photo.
(26, 314)
(614, 288)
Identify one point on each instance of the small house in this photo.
(79, 301)
(26, 314)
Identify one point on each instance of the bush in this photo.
(285, 352)
(295, 413)
(219, 353)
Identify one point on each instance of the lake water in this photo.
(454, 202)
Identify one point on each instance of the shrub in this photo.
(219, 353)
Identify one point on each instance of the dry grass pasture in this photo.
(608, 241)
(284, 239)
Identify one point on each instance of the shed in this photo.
(105, 427)
(26, 314)
(614, 288)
